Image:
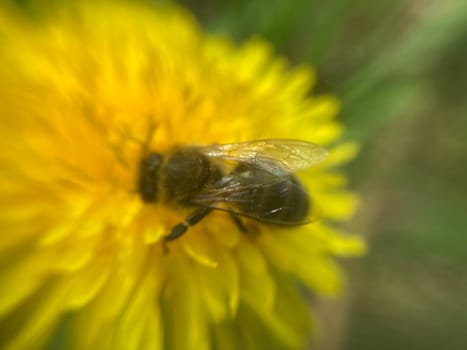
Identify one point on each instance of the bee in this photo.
(253, 179)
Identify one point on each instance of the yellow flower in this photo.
(81, 258)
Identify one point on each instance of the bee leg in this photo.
(190, 220)
(239, 223)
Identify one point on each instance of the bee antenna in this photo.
(152, 126)
(151, 129)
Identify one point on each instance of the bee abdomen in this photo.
(284, 202)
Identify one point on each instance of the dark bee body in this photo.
(282, 202)
(176, 177)
(247, 180)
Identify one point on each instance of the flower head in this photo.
(81, 254)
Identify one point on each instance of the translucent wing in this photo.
(258, 194)
(273, 155)
(235, 199)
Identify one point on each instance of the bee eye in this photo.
(149, 177)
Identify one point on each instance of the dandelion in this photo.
(81, 255)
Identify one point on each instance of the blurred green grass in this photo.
(399, 68)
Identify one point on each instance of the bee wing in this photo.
(234, 196)
(270, 154)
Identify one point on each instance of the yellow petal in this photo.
(341, 154)
(37, 318)
(201, 248)
(140, 325)
(86, 284)
(219, 287)
(184, 312)
(256, 284)
(96, 316)
(336, 206)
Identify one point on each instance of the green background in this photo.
(400, 69)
